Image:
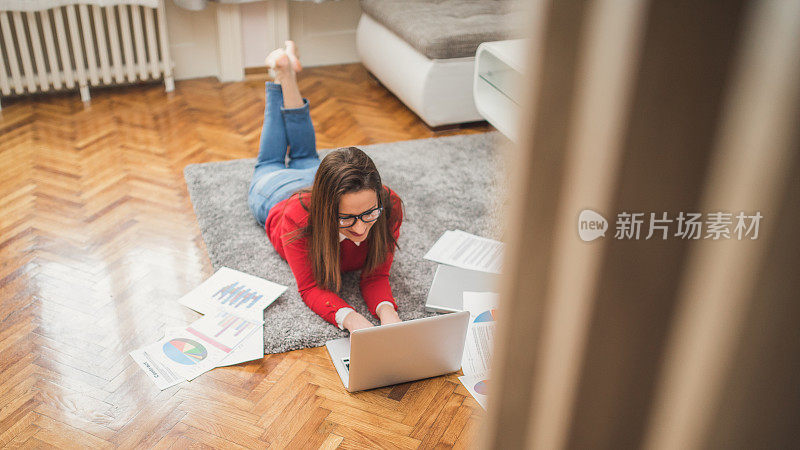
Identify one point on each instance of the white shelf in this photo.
(498, 82)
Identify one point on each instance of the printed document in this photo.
(461, 249)
(251, 348)
(233, 291)
(475, 363)
(189, 352)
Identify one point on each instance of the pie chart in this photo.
(185, 351)
(486, 316)
(482, 387)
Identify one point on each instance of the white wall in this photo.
(324, 32)
(256, 46)
(192, 41)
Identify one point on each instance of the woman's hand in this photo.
(387, 314)
(355, 321)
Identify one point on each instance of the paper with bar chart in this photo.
(225, 330)
(186, 353)
(237, 292)
(475, 363)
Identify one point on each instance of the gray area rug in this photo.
(446, 183)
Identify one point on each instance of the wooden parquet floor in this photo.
(97, 241)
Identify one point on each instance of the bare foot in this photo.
(281, 71)
(294, 58)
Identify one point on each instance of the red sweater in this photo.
(289, 215)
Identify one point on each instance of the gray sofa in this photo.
(424, 51)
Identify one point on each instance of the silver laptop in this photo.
(450, 283)
(400, 352)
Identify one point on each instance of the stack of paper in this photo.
(231, 332)
(482, 307)
(467, 251)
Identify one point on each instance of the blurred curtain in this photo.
(656, 106)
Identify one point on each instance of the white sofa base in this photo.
(439, 91)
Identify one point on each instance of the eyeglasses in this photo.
(366, 217)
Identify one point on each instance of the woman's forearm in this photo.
(355, 321)
(387, 314)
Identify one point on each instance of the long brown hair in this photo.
(343, 171)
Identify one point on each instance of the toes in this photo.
(277, 59)
(282, 60)
(270, 59)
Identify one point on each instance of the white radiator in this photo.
(81, 46)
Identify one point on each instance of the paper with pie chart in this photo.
(251, 348)
(185, 353)
(480, 332)
(478, 387)
(233, 291)
(175, 358)
(475, 363)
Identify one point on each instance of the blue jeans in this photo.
(275, 179)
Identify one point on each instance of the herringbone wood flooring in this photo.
(97, 241)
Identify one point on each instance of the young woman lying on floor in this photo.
(323, 217)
